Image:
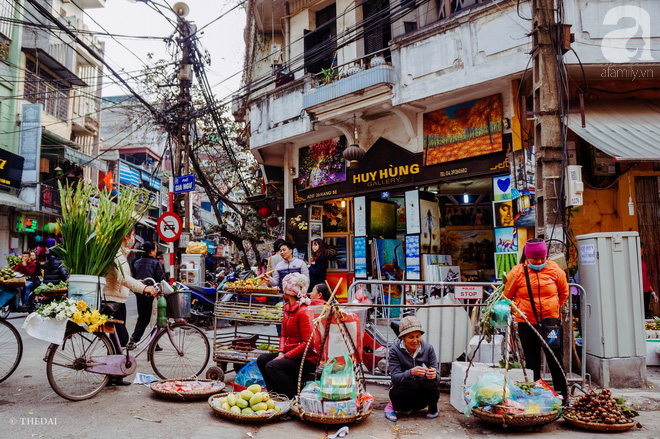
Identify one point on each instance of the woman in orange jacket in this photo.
(549, 288)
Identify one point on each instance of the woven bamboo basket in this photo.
(516, 420)
(593, 426)
(15, 282)
(282, 402)
(203, 393)
(327, 419)
(48, 294)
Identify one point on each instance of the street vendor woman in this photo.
(118, 286)
(280, 371)
(287, 265)
(413, 369)
(549, 288)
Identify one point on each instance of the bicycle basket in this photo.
(178, 305)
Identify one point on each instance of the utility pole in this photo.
(183, 135)
(548, 144)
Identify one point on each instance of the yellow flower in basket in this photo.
(77, 317)
(81, 305)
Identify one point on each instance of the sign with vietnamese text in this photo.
(31, 142)
(11, 169)
(185, 183)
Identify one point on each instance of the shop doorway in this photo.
(648, 221)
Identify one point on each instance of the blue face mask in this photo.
(537, 267)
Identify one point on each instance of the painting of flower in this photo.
(322, 163)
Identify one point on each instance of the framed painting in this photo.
(316, 213)
(335, 216)
(321, 164)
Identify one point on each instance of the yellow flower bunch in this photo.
(91, 317)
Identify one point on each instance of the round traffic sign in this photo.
(169, 226)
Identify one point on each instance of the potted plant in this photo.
(93, 226)
(329, 75)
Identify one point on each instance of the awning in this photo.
(625, 129)
(12, 201)
(58, 146)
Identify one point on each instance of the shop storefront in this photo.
(456, 208)
(11, 171)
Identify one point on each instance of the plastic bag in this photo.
(250, 374)
(488, 390)
(501, 314)
(338, 379)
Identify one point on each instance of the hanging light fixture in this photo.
(466, 198)
(354, 153)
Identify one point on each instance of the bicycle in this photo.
(82, 365)
(11, 349)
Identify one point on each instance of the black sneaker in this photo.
(158, 348)
(130, 345)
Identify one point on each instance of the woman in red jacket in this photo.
(549, 289)
(280, 371)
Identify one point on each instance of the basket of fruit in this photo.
(187, 389)
(10, 278)
(251, 285)
(51, 290)
(250, 405)
(599, 411)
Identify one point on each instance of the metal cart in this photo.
(240, 347)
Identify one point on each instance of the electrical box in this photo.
(603, 164)
(276, 53)
(574, 187)
(609, 268)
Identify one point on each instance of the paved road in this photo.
(30, 409)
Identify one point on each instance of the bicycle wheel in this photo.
(194, 347)
(11, 349)
(66, 365)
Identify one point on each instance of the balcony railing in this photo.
(55, 100)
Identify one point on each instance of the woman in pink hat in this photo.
(539, 288)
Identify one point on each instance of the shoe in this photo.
(130, 345)
(119, 382)
(390, 414)
(430, 415)
(158, 348)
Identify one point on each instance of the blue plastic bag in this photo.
(250, 374)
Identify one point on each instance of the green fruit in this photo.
(254, 388)
(223, 400)
(260, 406)
(236, 409)
(247, 411)
(231, 399)
(270, 404)
(226, 406)
(256, 399)
(241, 403)
(264, 396)
(246, 395)
(277, 408)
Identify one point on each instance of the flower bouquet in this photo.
(93, 225)
(78, 312)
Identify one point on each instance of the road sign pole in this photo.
(171, 199)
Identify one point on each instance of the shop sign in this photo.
(31, 142)
(11, 169)
(49, 199)
(388, 166)
(469, 292)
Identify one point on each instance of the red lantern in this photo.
(265, 212)
(273, 222)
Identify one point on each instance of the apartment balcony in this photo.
(277, 116)
(88, 4)
(366, 88)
